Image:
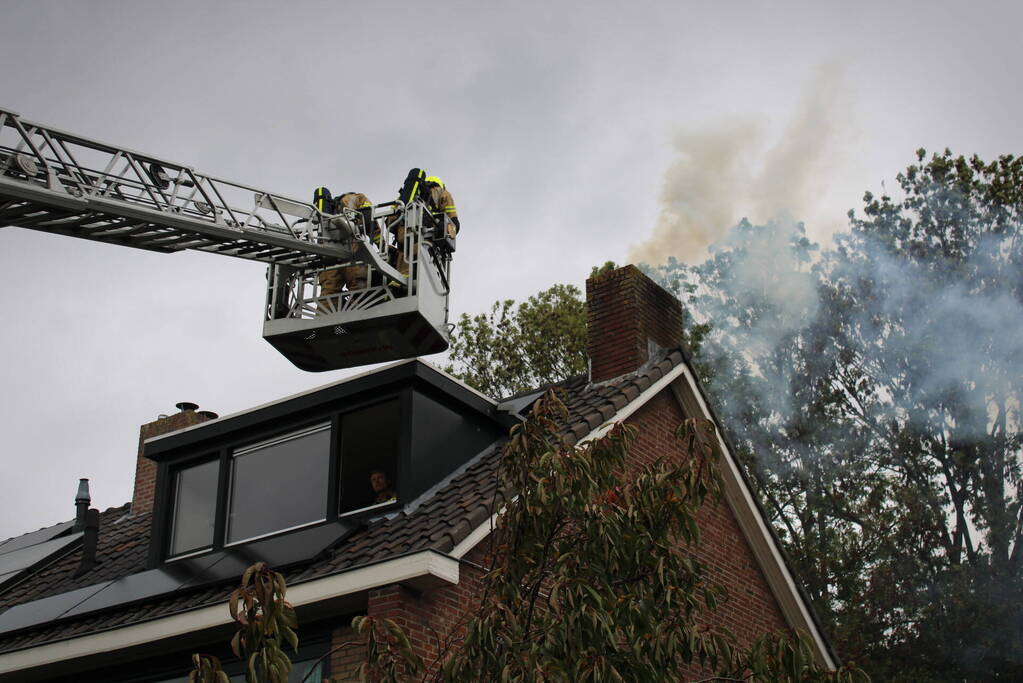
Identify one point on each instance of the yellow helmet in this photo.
(435, 179)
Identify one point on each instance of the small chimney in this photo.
(629, 318)
(145, 469)
(82, 502)
(89, 542)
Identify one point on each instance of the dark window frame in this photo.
(234, 457)
(223, 452)
(171, 505)
(396, 475)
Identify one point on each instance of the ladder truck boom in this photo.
(59, 182)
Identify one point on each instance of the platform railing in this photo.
(298, 292)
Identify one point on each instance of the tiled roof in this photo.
(439, 520)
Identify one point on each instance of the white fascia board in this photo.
(738, 496)
(427, 565)
(477, 535)
(758, 535)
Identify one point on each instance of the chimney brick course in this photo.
(145, 469)
(625, 311)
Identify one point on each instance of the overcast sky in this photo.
(569, 133)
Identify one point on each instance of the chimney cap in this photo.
(186, 405)
(209, 414)
(83, 492)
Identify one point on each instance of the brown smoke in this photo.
(724, 173)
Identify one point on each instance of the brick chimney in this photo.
(628, 316)
(145, 469)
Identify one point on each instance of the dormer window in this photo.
(279, 484)
(287, 480)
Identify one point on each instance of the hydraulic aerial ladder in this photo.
(62, 183)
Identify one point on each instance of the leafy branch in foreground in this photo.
(265, 622)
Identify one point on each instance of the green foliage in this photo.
(929, 347)
(266, 621)
(515, 348)
(608, 266)
(389, 655)
(593, 575)
(206, 669)
(592, 579)
(777, 659)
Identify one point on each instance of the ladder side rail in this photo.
(77, 139)
(132, 184)
(77, 178)
(231, 241)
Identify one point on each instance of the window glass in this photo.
(195, 507)
(369, 455)
(279, 484)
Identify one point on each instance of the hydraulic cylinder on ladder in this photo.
(58, 182)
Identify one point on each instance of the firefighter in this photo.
(441, 202)
(354, 276)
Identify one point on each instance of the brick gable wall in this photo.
(750, 609)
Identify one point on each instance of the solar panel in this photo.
(144, 585)
(26, 557)
(193, 572)
(41, 611)
(16, 560)
(40, 536)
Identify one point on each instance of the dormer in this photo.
(287, 480)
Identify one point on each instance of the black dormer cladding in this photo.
(444, 437)
(440, 424)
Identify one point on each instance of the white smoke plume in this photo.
(724, 173)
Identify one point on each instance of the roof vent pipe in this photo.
(209, 414)
(186, 405)
(82, 502)
(89, 542)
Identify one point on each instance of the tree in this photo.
(756, 334)
(515, 348)
(930, 345)
(874, 392)
(592, 574)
